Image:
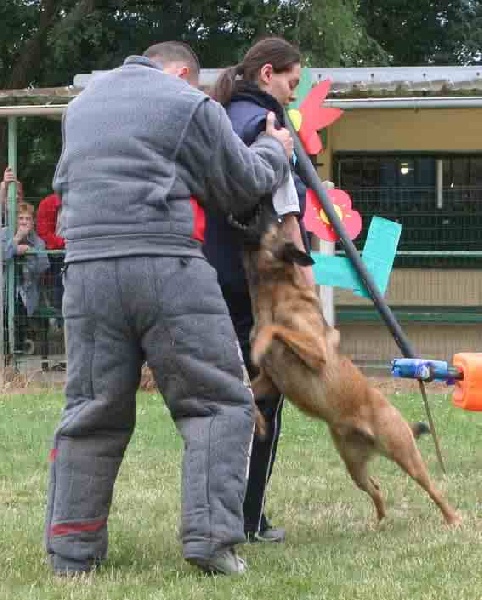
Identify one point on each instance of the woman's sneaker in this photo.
(224, 562)
(271, 534)
(266, 533)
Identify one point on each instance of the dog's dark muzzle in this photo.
(250, 227)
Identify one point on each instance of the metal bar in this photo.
(442, 253)
(310, 176)
(41, 110)
(414, 103)
(433, 253)
(2, 305)
(2, 318)
(47, 252)
(11, 224)
(440, 182)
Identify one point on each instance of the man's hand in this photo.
(282, 135)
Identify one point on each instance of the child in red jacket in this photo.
(47, 215)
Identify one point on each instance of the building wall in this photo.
(407, 129)
(388, 130)
(425, 287)
(372, 342)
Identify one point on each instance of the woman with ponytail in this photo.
(264, 81)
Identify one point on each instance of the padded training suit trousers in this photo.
(170, 312)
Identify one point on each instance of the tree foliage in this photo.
(46, 42)
(420, 32)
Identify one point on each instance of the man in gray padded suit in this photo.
(140, 143)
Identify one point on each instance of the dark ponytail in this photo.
(273, 50)
(225, 85)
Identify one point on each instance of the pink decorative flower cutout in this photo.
(317, 222)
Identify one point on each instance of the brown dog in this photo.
(297, 354)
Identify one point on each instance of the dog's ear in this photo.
(289, 253)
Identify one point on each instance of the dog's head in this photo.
(277, 254)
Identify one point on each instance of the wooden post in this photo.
(326, 291)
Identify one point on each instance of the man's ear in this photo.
(289, 253)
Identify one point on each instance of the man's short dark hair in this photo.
(168, 52)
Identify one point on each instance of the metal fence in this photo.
(31, 294)
(33, 336)
(447, 235)
(438, 229)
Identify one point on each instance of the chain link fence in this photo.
(448, 236)
(36, 340)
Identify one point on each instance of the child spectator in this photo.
(47, 214)
(29, 267)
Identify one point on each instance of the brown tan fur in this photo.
(297, 354)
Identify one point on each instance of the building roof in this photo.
(377, 81)
(393, 85)
(402, 81)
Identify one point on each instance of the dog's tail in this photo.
(310, 350)
(419, 429)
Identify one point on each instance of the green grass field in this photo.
(333, 551)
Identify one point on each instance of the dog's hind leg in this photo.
(356, 453)
(408, 457)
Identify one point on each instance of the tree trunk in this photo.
(31, 55)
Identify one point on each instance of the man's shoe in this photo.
(270, 534)
(225, 562)
(64, 567)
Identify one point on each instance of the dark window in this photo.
(476, 171)
(457, 171)
(425, 168)
(371, 172)
(403, 187)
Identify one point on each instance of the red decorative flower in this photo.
(317, 222)
(311, 117)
